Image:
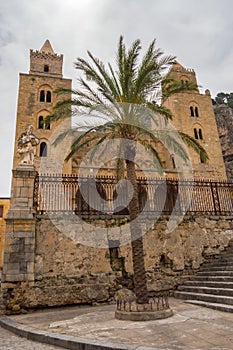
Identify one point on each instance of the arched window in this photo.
(191, 111)
(42, 96)
(48, 96)
(43, 149)
(46, 68)
(41, 122)
(196, 112)
(198, 134)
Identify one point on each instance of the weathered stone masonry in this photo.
(70, 273)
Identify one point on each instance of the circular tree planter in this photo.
(156, 308)
(143, 315)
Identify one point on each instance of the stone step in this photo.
(215, 306)
(225, 262)
(212, 286)
(216, 268)
(214, 273)
(230, 246)
(228, 251)
(204, 283)
(204, 297)
(212, 278)
(207, 290)
(223, 258)
(224, 255)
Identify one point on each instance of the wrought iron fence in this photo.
(105, 197)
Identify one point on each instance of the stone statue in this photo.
(27, 143)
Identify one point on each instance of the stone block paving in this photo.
(190, 328)
(9, 341)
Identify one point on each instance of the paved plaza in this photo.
(191, 328)
(9, 341)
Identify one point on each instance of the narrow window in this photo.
(48, 96)
(196, 112)
(42, 96)
(200, 134)
(191, 111)
(173, 161)
(40, 122)
(1, 211)
(195, 134)
(43, 149)
(46, 68)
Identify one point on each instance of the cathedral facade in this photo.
(193, 114)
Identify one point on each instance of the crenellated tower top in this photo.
(178, 72)
(46, 62)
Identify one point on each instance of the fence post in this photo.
(215, 197)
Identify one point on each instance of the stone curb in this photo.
(62, 340)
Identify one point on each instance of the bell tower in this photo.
(193, 114)
(36, 99)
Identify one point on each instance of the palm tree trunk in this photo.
(136, 234)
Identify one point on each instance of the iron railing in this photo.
(104, 197)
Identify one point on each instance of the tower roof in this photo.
(177, 66)
(47, 47)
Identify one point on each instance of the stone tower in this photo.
(36, 98)
(194, 115)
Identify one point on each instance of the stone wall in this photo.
(67, 272)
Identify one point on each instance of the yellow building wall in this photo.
(5, 203)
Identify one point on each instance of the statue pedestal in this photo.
(22, 192)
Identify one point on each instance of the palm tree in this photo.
(119, 95)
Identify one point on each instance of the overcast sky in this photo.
(199, 33)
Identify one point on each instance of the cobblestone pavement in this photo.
(9, 341)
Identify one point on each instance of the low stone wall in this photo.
(68, 272)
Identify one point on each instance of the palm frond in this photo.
(100, 141)
(63, 135)
(195, 145)
(156, 158)
(171, 140)
(172, 86)
(160, 109)
(110, 89)
(79, 145)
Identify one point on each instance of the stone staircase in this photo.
(212, 285)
